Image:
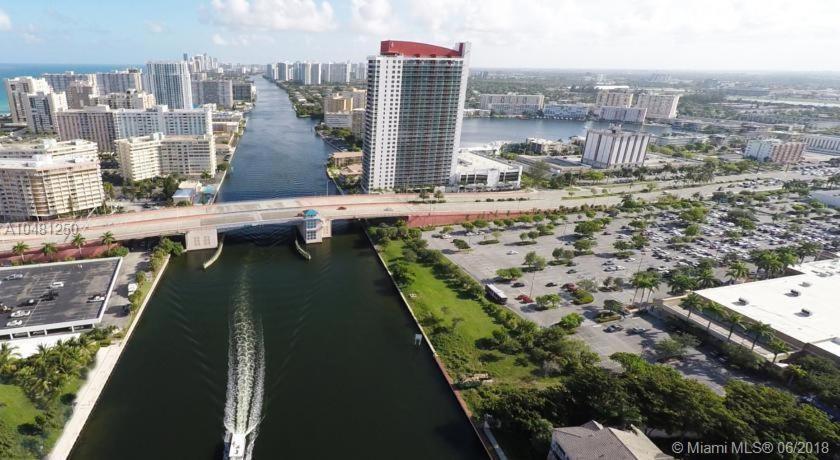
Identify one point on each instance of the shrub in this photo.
(582, 297)
(493, 241)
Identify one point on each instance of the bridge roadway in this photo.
(226, 216)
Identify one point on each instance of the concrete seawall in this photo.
(86, 398)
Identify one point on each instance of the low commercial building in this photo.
(818, 143)
(476, 172)
(678, 140)
(614, 98)
(622, 114)
(342, 159)
(476, 113)
(544, 146)
(658, 105)
(512, 104)
(801, 308)
(566, 111)
(44, 187)
(80, 304)
(774, 150)
(611, 148)
(146, 157)
(595, 441)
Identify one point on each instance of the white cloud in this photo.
(305, 15)
(375, 17)
(5, 21)
(219, 40)
(241, 39)
(155, 27)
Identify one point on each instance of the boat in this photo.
(234, 446)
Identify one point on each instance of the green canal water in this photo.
(343, 378)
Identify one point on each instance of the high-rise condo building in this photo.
(823, 144)
(337, 72)
(119, 81)
(79, 94)
(284, 71)
(512, 104)
(60, 81)
(169, 81)
(611, 148)
(16, 91)
(41, 109)
(622, 114)
(244, 91)
(613, 98)
(658, 105)
(44, 186)
(219, 92)
(774, 150)
(76, 148)
(303, 73)
(415, 103)
(103, 125)
(131, 99)
(146, 157)
(315, 74)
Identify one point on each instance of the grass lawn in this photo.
(459, 350)
(15, 407)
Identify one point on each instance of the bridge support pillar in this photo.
(205, 238)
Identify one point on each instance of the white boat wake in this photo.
(246, 373)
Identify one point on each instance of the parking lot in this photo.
(54, 296)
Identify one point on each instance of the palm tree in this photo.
(795, 371)
(712, 309)
(79, 241)
(706, 279)
(48, 249)
(777, 346)
(681, 282)
(692, 302)
(652, 284)
(108, 239)
(759, 329)
(8, 356)
(638, 282)
(20, 249)
(737, 270)
(734, 320)
(807, 249)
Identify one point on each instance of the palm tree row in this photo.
(694, 303)
(50, 249)
(645, 281)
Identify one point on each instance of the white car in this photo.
(512, 252)
(57, 284)
(14, 323)
(21, 313)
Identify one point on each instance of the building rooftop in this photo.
(594, 441)
(776, 302)
(468, 162)
(81, 280)
(415, 49)
(346, 154)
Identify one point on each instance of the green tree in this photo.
(107, 239)
(735, 321)
(460, 244)
(19, 249)
(534, 261)
(584, 245)
(693, 303)
(548, 301)
(759, 330)
(737, 270)
(509, 274)
(48, 249)
(79, 242)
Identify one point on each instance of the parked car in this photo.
(614, 328)
(14, 323)
(518, 284)
(637, 330)
(551, 284)
(571, 271)
(512, 252)
(21, 313)
(14, 276)
(526, 299)
(570, 287)
(57, 284)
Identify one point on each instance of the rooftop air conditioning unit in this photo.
(794, 293)
(743, 301)
(805, 284)
(806, 312)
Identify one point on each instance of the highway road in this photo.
(179, 220)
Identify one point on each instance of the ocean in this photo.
(36, 70)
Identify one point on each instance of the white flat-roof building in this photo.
(129, 99)
(658, 105)
(774, 150)
(614, 98)
(512, 104)
(611, 148)
(146, 157)
(818, 143)
(566, 111)
(119, 81)
(59, 150)
(476, 172)
(802, 309)
(622, 114)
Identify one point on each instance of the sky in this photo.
(782, 35)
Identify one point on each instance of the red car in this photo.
(526, 299)
(520, 296)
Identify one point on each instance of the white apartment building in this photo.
(337, 72)
(59, 82)
(79, 94)
(512, 104)
(774, 150)
(146, 157)
(43, 187)
(622, 114)
(566, 111)
(270, 72)
(130, 99)
(357, 123)
(339, 119)
(119, 81)
(658, 105)
(244, 91)
(76, 148)
(219, 92)
(413, 121)
(303, 73)
(315, 74)
(169, 81)
(823, 144)
(610, 148)
(284, 71)
(41, 109)
(613, 98)
(103, 125)
(16, 91)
